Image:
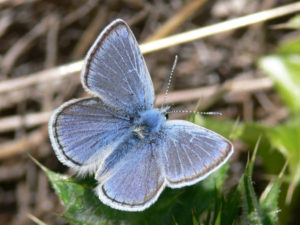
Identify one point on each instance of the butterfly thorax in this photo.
(149, 123)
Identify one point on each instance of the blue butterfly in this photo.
(118, 135)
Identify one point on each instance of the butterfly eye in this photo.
(131, 119)
(167, 116)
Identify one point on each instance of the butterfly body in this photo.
(117, 135)
(149, 123)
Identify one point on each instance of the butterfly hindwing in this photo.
(189, 153)
(136, 182)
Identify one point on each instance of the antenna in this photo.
(195, 112)
(170, 80)
(165, 109)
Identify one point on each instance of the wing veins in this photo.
(128, 85)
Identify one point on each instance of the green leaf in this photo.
(180, 206)
(269, 156)
(269, 199)
(291, 47)
(286, 138)
(251, 210)
(293, 23)
(227, 128)
(82, 205)
(230, 207)
(218, 218)
(284, 68)
(285, 71)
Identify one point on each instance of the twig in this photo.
(139, 16)
(30, 141)
(69, 69)
(5, 21)
(176, 20)
(8, 99)
(35, 219)
(40, 77)
(12, 172)
(220, 27)
(22, 44)
(279, 115)
(90, 33)
(205, 103)
(51, 46)
(29, 120)
(234, 87)
(15, 2)
(79, 13)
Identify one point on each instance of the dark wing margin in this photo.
(136, 183)
(83, 131)
(115, 70)
(189, 153)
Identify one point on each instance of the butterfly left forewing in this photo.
(115, 70)
(189, 153)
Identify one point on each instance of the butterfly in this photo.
(117, 135)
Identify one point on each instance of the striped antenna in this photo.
(170, 80)
(195, 112)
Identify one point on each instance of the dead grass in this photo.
(41, 41)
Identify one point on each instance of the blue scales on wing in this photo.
(189, 153)
(134, 180)
(84, 131)
(116, 72)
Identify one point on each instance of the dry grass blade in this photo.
(51, 45)
(67, 70)
(5, 21)
(29, 120)
(24, 43)
(79, 13)
(220, 27)
(90, 33)
(30, 141)
(230, 88)
(43, 76)
(15, 3)
(35, 219)
(176, 20)
(233, 88)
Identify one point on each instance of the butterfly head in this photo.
(165, 111)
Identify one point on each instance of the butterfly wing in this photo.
(136, 180)
(84, 131)
(189, 153)
(116, 72)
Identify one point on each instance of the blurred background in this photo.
(251, 75)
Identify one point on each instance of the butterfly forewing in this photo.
(116, 72)
(189, 153)
(83, 131)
